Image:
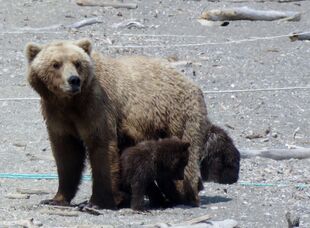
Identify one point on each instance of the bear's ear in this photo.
(31, 51)
(85, 44)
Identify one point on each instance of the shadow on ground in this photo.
(204, 200)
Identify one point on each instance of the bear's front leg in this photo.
(69, 154)
(101, 154)
(137, 198)
(156, 197)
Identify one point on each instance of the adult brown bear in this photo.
(92, 103)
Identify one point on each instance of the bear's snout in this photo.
(75, 83)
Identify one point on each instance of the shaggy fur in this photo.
(135, 98)
(166, 160)
(221, 165)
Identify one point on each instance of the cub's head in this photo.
(174, 156)
(61, 68)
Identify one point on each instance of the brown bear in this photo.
(91, 103)
(221, 165)
(166, 160)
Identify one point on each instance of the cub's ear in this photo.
(186, 145)
(85, 44)
(31, 51)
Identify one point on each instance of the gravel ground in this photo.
(221, 65)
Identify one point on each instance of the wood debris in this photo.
(104, 3)
(85, 22)
(277, 154)
(17, 196)
(32, 191)
(246, 13)
(301, 36)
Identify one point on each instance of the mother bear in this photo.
(95, 106)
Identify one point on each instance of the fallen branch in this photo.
(104, 3)
(130, 23)
(60, 212)
(278, 154)
(303, 36)
(17, 196)
(280, 1)
(246, 13)
(76, 25)
(31, 191)
(82, 23)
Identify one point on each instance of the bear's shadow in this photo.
(205, 200)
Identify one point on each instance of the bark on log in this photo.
(278, 154)
(246, 13)
(104, 3)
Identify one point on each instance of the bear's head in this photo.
(222, 163)
(60, 68)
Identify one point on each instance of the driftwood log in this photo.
(301, 36)
(85, 22)
(278, 154)
(104, 3)
(246, 13)
(280, 1)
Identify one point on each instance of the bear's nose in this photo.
(74, 81)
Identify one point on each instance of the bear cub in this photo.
(166, 158)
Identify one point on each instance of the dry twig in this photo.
(105, 3)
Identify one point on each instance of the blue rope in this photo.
(34, 176)
(24, 176)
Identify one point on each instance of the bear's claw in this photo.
(55, 202)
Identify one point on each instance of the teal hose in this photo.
(24, 176)
(34, 176)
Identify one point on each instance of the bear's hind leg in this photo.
(69, 153)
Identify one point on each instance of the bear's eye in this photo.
(56, 65)
(77, 64)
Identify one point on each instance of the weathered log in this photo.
(280, 1)
(104, 3)
(301, 36)
(278, 154)
(60, 212)
(17, 196)
(31, 191)
(246, 13)
(85, 22)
